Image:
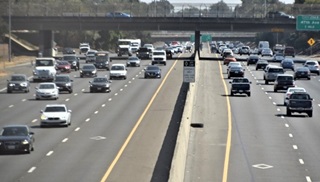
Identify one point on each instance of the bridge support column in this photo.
(197, 42)
(46, 43)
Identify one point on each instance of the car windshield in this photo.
(55, 109)
(158, 53)
(133, 59)
(285, 78)
(63, 63)
(117, 68)
(46, 86)
(17, 78)
(100, 80)
(68, 58)
(14, 131)
(236, 68)
(152, 68)
(311, 63)
(44, 63)
(296, 90)
(240, 81)
(276, 70)
(88, 67)
(62, 78)
(300, 96)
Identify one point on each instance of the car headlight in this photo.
(25, 142)
(80, 71)
(35, 72)
(43, 117)
(74, 63)
(68, 84)
(11, 84)
(91, 85)
(94, 71)
(23, 84)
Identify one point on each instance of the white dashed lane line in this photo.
(64, 140)
(33, 121)
(96, 112)
(301, 161)
(67, 99)
(103, 105)
(88, 119)
(11, 106)
(308, 179)
(290, 135)
(287, 125)
(295, 147)
(110, 99)
(31, 169)
(23, 100)
(121, 90)
(116, 94)
(49, 153)
(77, 129)
(75, 94)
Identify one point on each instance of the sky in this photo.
(211, 1)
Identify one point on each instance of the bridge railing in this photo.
(154, 9)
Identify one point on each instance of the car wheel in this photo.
(9, 91)
(310, 114)
(266, 82)
(81, 76)
(125, 78)
(275, 90)
(91, 91)
(288, 112)
(309, 78)
(318, 73)
(70, 91)
(249, 94)
(231, 93)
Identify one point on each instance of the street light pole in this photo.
(265, 8)
(9, 11)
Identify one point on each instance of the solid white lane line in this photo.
(65, 140)
(88, 119)
(77, 129)
(49, 153)
(290, 135)
(295, 147)
(31, 169)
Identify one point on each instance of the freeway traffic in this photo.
(102, 126)
(250, 138)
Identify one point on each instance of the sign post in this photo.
(311, 42)
(189, 71)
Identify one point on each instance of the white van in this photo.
(262, 45)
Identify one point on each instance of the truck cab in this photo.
(45, 69)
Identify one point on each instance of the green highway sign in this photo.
(308, 23)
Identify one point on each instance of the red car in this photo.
(229, 59)
(63, 66)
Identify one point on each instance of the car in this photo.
(63, 67)
(118, 15)
(102, 60)
(278, 57)
(100, 84)
(133, 61)
(252, 59)
(152, 72)
(159, 57)
(244, 50)
(283, 82)
(88, 70)
(143, 53)
(289, 51)
(169, 53)
(233, 64)
(84, 48)
(73, 60)
(313, 66)
(55, 115)
(287, 64)
(91, 56)
(236, 71)
(279, 15)
(266, 52)
(229, 59)
(64, 82)
(68, 50)
(271, 72)
(150, 47)
(18, 82)
(227, 52)
(302, 72)
(300, 102)
(261, 64)
(290, 91)
(16, 138)
(47, 90)
(240, 86)
(118, 71)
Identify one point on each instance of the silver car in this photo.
(313, 66)
(47, 90)
(133, 61)
(271, 72)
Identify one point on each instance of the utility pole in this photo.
(9, 12)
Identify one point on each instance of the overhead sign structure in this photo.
(311, 41)
(308, 23)
(189, 71)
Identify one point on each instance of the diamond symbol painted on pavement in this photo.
(262, 166)
(98, 138)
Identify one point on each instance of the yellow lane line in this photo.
(115, 160)
(228, 145)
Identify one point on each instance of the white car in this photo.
(159, 57)
(118, 71)
(55, 115)
(47, 90)
(290, 91)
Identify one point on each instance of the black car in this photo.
(283, 82)
(16, 138)
(169, 53)
(73, 60)
(68, 50)
(240, 86)
(261, 64)
(302, 72)
(253, 59)
(143, 53)
(279, 15)
(64, 83)
(235, 71)
(100, 84)
(300, 102)
(102, 60)
(88, 70)
(18, 82)
(152, 72)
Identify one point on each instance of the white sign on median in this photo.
(189, 71)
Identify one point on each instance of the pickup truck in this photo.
(299, 102)
(240, 86)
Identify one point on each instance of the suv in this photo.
(244, 50)
(64, 83)
(271, 72)
(241, 86)
(313, 66)
(18, 82)
(299, 102)
(289, 51)
(102, 60)
(159, 57)
(73, 60)
(283, 82)
(55, 114)
(118, 71)
(253, 59)
(143, 53)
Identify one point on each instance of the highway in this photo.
(134, 120)
(250, 138)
